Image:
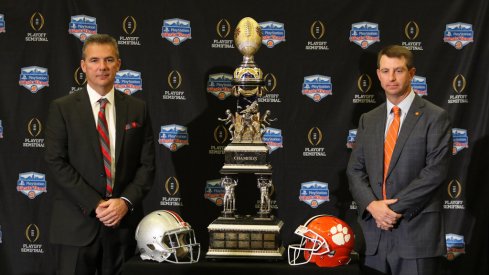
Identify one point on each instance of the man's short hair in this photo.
(100, 39)
(398, 52)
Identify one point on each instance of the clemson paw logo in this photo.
(340, 234)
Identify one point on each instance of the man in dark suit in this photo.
(100, 150)
(400, 206)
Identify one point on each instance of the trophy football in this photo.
(232, 235)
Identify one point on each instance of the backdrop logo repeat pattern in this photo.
(173, 137)
(419, 85)
(273, 138)
(2, 23)
(32, 184)
(351, 139)
(273, 33)
(34, 78)
(176, 30)
(314, 193)
(214, 191)
(32, 234)
(82, 26)
(128, 82)
(460, 140)
(220, 85)
(458, 35)
(317, 87)
(364, 34)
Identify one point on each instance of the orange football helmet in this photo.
(326, 241)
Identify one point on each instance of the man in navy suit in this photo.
(400, 206)
(98, 194)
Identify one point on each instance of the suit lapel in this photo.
(84, 108)
(120, 122)
(415, 112)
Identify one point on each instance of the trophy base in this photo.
(246, 238)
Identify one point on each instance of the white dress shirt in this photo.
(404, 105)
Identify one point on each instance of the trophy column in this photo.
(233, 235)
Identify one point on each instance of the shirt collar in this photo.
(404, 105)
(94, 96)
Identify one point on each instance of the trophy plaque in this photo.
(233, 235)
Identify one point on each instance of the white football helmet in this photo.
(163, 236)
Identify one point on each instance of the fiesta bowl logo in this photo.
(2, 23)
(364, 34)
(34, 78)
(314, 193)
(214, 191)
(419, 85)
(173, 136)
(351, 139)
(273, 138)
(172, 186)
(128, 82)
(460, 140)
(455, 245)
(220, 85)
(176, 30)
(317, 87)
(273, 33)
(83, 26)
(458, 35)
(32, 184)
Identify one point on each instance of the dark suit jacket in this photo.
(75, 160)
(417, 171)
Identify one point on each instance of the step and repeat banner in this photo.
(319, 62)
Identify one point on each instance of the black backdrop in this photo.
(449, 39)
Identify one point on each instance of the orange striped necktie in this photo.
(390, 143)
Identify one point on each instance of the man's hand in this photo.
(383, 215)
(111, 212)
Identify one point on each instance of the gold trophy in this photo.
(232, 235)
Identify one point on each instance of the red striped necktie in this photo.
(103, 131)
(390, 143)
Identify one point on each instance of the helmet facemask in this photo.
(312, 244)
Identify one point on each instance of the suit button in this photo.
(102, 175)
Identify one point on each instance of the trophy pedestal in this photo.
(245, 237)
(234, 236)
